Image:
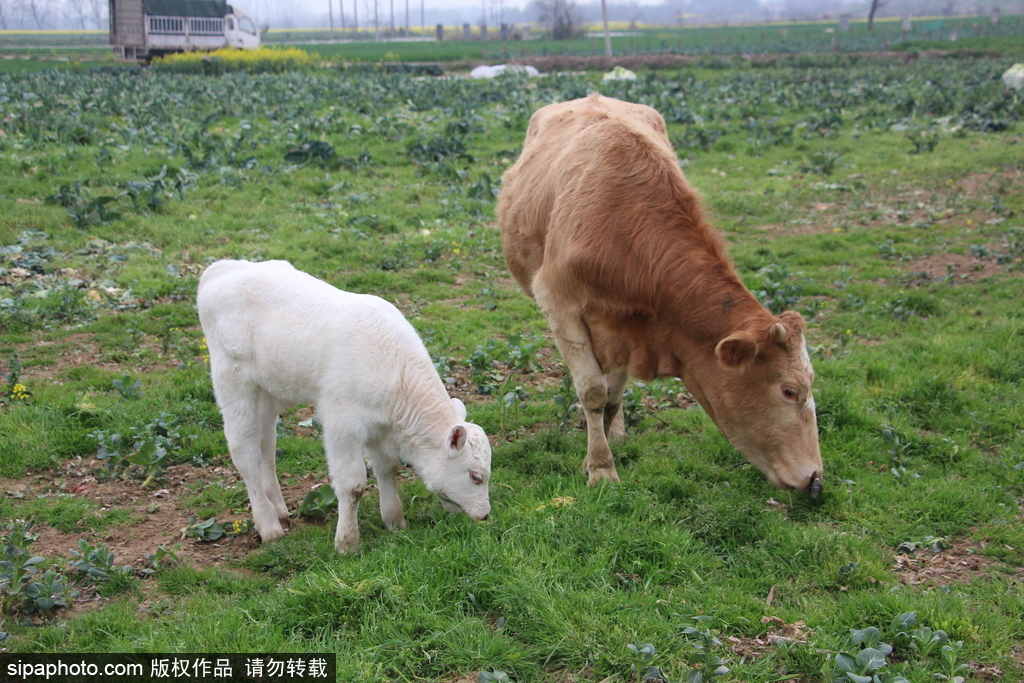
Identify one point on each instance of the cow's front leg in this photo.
(347, 465)
(573, 340)
(614, 420)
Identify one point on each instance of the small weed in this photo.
(934, 543)
(888, 250)
(777, 293)
(703, 662)
(444, 369)
(149, 450)
(210, 530)
(513, 399)
(18, 567)
(823, 162)
(128, 389)
(640, 662)
(96, 561)
(483, 363)
(523, 352)
(565, 402)
(832, 351)
(318, 503)
(923, 141)
(49, 592)
(863, 666)
(14, 390)
(161, 557)
(313, 152)
(949, 655)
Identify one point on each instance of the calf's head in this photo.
(762, 401)
(462, 474)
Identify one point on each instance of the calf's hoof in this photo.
(346, 545)
(270, 534)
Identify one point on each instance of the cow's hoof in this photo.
(598, 474)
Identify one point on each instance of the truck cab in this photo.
(240, 31)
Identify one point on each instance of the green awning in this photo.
(187, 8)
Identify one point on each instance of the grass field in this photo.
(882, 201)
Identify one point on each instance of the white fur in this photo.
(278, 337)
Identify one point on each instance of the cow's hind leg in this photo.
(614, 421)
(573, 340)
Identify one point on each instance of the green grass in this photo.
(810, 175)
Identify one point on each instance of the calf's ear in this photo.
(736, 350)
(456, 440)
(460, 409)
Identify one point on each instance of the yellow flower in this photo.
(456, 251)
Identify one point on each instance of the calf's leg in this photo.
(346, 463)
(269, 409)
(573, 340)
(385, 469)
(246, 421)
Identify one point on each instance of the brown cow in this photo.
(601, 228)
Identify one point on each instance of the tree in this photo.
(39, 10)
(77, 12)
(875, 5)
(98, 12)
(561, 16)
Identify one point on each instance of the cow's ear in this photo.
(736, 350)
(456, 440)
(460, 409)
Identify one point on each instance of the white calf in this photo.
(278, 337)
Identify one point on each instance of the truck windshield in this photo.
(245, 24)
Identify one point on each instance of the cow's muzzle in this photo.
(814, 488)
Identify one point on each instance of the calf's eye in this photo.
(791, 393)
(476, 477)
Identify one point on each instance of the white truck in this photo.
(143, 29)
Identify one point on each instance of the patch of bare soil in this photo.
(778, 630)
(957, 564)
(962, 267)
(908, 205)
(158, 516)
(81, 349)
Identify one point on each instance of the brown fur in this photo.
(601, 227)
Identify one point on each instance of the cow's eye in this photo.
(791, 393)
(476, 477)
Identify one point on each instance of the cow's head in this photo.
(461, 473)
(761, 400)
